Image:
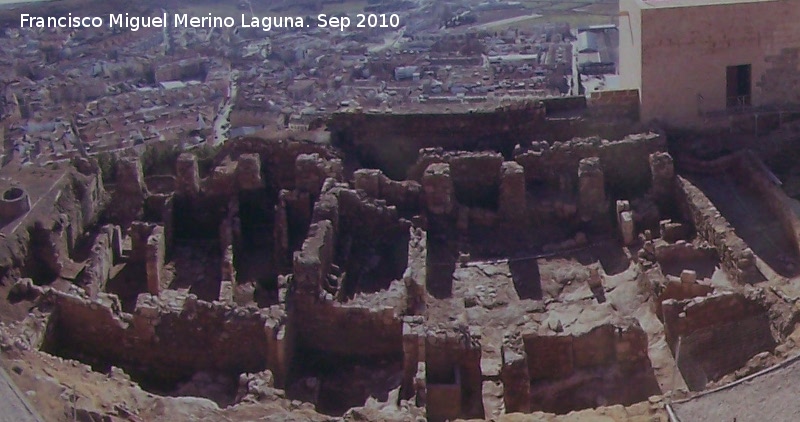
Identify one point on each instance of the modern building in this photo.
(597, 50)
(692, 59)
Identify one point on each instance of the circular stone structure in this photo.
(14, 203)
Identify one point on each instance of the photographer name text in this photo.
(265, 23)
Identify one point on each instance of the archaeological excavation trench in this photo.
(549, 277)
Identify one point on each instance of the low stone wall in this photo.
(168, 338)
(278, 157)
(625, 162)
(558, 356)
(614, 104)
(566, 371)
(736, 257)
(753, 172)
(348, 329)
(405, 195)
(100, 261)
(715, 335)
(325, 320)
(475, 175)
(499, 129)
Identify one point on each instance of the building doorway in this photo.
(738, 86)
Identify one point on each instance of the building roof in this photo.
(664, 4)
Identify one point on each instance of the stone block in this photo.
(187, 175)
(248, 172)
(626, 227)
(437, 185)
(512, 201)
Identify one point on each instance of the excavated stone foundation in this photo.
(537, 277)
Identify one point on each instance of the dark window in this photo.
(738, 86)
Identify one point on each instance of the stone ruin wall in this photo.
(76, 202)
(278, 158)
(403, 135)
(716, 334)
(326, 323)
(625, 162)
(737, 259)
(553, 359)
(173, 336)
(752, 171)
(324, 320)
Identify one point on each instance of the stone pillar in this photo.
(284, 354)
(312, 263)
(516, 378)
(127, 202)
(226, 291)
(415, 274)
(248, 172)
(625, 222)
(513, 206)
(421, 386)
(228, 270)
(368, 180)
(595, 280)
(413, 352)
(662, 171)
(187, 179)
(130, 176)
(627, 228)
(226, 241)
(139, 232)
(154, 260)
(438, 188)
(311, 171)
(592, 201)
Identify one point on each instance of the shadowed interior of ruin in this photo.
(370, 264)
(128, 282)
(441, 262)
(254, 260)
(336, 383)
(593, 388)
(209, 382)
(710, 353)
(526, 277)
(36, 266)
(197, 218)
(455, 379)
(196, 266)
(751, 217)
